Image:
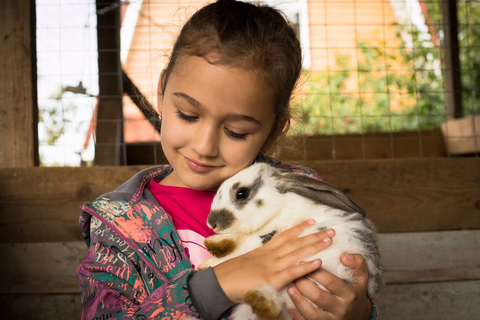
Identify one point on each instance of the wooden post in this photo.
(18, 99)
(109, 146)
(453, 84)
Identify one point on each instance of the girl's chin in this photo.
(196, 183)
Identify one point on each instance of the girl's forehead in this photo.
(209, 85)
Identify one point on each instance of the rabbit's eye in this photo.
(242, 194)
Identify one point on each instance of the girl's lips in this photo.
(199, 167)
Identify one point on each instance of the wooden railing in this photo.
(427, 212)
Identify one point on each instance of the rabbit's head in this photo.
(257, 194)
(245, 201)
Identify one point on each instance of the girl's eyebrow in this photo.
(188, 98)
(232, 116)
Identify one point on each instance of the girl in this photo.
(224, 100)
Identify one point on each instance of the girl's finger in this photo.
(290, 234)
(295, 244)
(283, 277)
(340, 288)
(305, 308)
(295, 314)
(322, 299)
(339, 293)
(302, 249)
(359, 269)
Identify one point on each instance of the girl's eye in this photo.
(242, 194)
(236, 136)
(185, 117)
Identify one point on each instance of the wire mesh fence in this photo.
(381, 79)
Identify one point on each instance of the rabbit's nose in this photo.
(220, 220)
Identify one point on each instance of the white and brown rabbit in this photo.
(260, 202)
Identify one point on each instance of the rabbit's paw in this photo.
(220, 245)
(266, 303)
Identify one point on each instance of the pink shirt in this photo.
(188, 209)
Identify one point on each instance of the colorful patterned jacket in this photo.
(136, 266)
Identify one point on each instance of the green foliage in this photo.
(54, 117)
(398, 90)
(394, 90)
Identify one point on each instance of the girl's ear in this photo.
(276, 132)
(160, 93)
(160, 82)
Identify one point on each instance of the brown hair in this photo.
(242, 35)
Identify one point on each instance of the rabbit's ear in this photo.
(317, 191)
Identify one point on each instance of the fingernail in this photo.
(291, 291)
(349, 257)
(301, 262)
(327, 239)
(311, 222)
(330, 232)
(316, 262)
(291, 314)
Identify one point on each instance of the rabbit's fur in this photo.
(260, 202)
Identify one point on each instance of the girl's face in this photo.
(215, 121)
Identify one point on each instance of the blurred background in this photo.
(382, 78)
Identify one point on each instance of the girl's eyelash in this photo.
(236, 136)
(230, 133)
(185, 117)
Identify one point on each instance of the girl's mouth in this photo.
(198, 166)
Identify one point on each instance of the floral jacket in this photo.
(136, 266)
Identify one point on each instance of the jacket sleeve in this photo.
(114, 286)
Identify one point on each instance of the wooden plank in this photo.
(431, 301)
(45, 267)
(396, 145)
(398, 195)
(411, 195)
(41, 306)
(49, 211)
(49, 267)
(431, 256)
(420, 301)
(17, 105)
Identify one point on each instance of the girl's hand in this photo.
(274, 263)
(346, 301)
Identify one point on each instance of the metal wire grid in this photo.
(67, 54)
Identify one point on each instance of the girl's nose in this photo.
(205, 141)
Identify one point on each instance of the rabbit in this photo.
(260, 202)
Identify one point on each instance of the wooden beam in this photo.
(395, 145)
(398, 195)
(430, 256)
(109, 146)
(430, 301)
(411, 194)
(17, 94)
(44, 267)
(451, 60)
(413, 301)
(41, 306)
(49, 267)
(148, 111)
(50, 210)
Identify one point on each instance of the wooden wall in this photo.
(427, 212)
